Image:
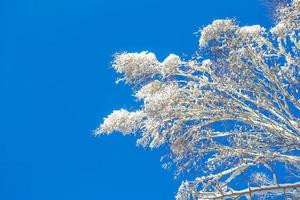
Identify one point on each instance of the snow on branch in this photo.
(231, 118)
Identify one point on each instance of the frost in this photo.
(136, 66)
(280, 29)
(261, 179)
(121, 121)
(251, 31)
(170, 65)
(288, 19)
(149, 90)
(215, 30)
(162, 100)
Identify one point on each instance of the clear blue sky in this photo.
(57, 84)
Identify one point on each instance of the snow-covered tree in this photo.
(230, 115)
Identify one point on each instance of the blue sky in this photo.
(57, 84)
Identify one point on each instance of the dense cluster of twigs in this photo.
(247, 78)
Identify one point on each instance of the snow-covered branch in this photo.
(224, 117)
(284, 189)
